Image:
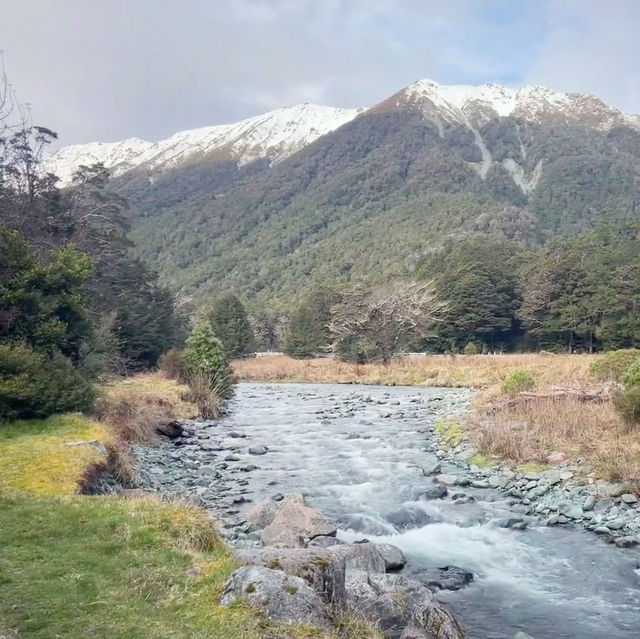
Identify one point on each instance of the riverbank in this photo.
(121, 565)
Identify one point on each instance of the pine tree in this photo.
(230, 323)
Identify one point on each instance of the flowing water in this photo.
(355, 452)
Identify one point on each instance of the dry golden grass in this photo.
(529, 431)
(477, 371)
(134, 406)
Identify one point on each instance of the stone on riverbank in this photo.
(321, 569)
(281, 597)
(296, 523)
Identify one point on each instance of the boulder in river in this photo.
(431, 467)
(281, 597)
(296, 523)
(447, 577)
(262, 514)
(396, 604)
(436, 492)
(258, 450)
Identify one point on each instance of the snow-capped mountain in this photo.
(280, 133)
(479, 104)
(274, 135)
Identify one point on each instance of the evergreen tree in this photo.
(230, 323)
(308, 331)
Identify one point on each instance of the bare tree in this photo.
(376, 323)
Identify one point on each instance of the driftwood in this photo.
(597, 394)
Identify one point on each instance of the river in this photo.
(356, 451)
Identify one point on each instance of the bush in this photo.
(207, 371)
(631, 376)
(204, 352)
(516, 381)
(628, 404)
(611, 366)
(37, 385)
(172, 364)
(471, 349)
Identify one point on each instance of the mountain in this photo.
(274, 136)
(307, 195)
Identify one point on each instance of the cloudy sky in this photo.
(109, 69)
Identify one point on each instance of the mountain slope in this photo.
(369, 198)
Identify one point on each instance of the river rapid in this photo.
(356, 454)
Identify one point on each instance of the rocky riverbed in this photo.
(508, 552)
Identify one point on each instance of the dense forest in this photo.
(74, 302)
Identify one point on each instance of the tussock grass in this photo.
(528, 431)
(133, 407)
(476, 371)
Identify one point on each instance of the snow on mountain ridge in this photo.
(273, 135)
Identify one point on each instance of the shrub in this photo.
(471, 349)
(38, 385)
(628, 404)
(631, 376)
(172, 364)
(207, 370)
(518, 380)
(204, 352)
(611, 366)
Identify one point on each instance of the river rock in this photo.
(361, 556)
(436, 492)
(262, 514)
(280, 597)
(616, 524)
(629, 498)
(589, 503)
(508, 522)
(296, 523)
(571, 510)
(446, 578)
(395, 604)
(431, 468)
(449, 480)
(172, 429)
(557, 457)
(320, 568)
(258, 450)
(626, 542)
(408, 517)
(394, 558)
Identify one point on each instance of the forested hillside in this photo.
(374, 197)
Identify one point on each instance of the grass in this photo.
(35, 457)
(528, 432)
(474, 371)
(451, 432)
(77, 566)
